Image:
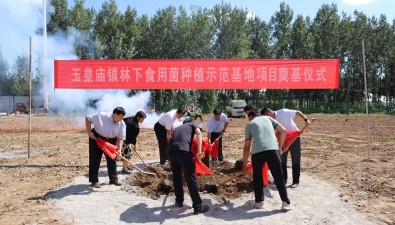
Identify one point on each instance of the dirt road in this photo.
(334, 149)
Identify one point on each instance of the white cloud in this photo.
(358, 2)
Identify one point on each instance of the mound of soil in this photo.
(154, 186)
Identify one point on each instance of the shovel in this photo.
(233, 177)
(134, 166)
(145, 164)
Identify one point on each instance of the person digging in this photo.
(182, 162)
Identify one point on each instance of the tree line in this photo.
(226, 32)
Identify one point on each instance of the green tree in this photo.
(259, 37)
(208, 100)
(163, 34)
(20, 76)
(129, 29)
(81, 19)
(144, 46)
(201, 34)
(345, 39)
(4, 76)
(58, 18)
(361, 30)
(280, 30)
(301, 43)
(108, 32)
(325, 30)
(301, 46)
(231, 32)
(379, 57)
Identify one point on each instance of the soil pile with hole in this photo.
(154, 186)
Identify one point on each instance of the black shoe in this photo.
(179, 204)
(116, 183)
(200, 209)
(126, 172)
(294, 185)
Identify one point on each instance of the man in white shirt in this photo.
(285, 117)
(163, 131)
(111, 128)
(216, 128)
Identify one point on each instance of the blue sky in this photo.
(20, 18)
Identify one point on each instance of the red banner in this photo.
(198, 74)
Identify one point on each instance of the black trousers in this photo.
(161, 135)
(95, 155)
(182, 162)
(213, 137)
(272, 157)
(296, 153)
(200, 116)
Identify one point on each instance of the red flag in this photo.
(108, 148)
(215, 146)
(201, 168)
(289, 138)
(265, 172)
(206, 147)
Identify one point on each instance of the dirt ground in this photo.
(334, 148)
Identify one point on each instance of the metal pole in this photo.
(45, 75)
(366, 97)
(30, 100)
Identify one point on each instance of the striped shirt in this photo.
(105, 126)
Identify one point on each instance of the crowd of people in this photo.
(175, 147)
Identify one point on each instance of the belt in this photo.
(161, 124)
(102, 137)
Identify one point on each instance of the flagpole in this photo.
(30, 99)
(366, 97)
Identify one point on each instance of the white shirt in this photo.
(168, 119)
(105, 126)
(285, 117)
(216, 126)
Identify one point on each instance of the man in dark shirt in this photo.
(182, 161)
(132, 131)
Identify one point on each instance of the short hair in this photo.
(187, 120)
(265, 110)
(140, 114)
(119, 111)
(217, 112)
(247, 108)
(252, 113)
(180, 111)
